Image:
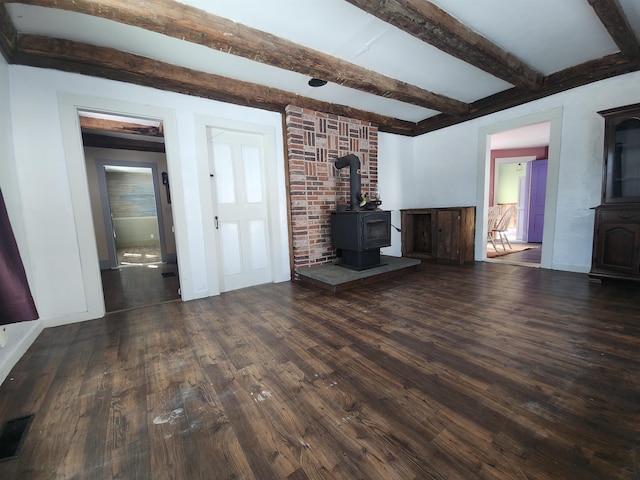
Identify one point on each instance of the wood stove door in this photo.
(240, 208)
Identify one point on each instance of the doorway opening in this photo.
(517, 165)
(126, 169)
(132, 215)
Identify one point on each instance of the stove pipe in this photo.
(354, 177)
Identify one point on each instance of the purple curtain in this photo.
(16, 302)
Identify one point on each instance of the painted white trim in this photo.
(81, 205)
(553, 116)
(15, 352)
(69, 105)
(268, 134)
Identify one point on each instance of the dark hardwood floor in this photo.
(531, 256)
(486, 371)
(139, 286)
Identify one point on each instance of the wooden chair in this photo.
(494, 217)
(502, 226)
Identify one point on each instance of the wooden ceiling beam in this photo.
(8, 34)
(108, 63)
(93, 125)
(67, 55)
(432, 25)
(197, 26)
(104, 62)
(103, 141)
(613, 18)
(583, 74)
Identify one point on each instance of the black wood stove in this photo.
(359, 231)
(359, 236)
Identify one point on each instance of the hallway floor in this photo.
(139, 255)
(140, 286)
(531, 255)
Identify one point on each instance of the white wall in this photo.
(444, 169)
(395, 180)
(445, 164)
(18, 336)
(49, 172)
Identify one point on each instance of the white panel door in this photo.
(236, 163)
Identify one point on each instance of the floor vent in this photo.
(12, 436)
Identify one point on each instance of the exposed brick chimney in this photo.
(315, 141)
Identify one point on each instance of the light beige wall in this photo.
(92, 155)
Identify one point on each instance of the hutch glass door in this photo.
(624, 162)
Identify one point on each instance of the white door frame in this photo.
(202, 124)
(554, 117)
(69, 107)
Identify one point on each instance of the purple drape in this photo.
(16, 302)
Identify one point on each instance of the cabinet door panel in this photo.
(617, 247)
(447, 244)
(423, 233)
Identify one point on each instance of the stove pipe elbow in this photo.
(354, 177)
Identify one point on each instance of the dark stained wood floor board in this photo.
(486, 371)
(322, 429)
(414, 421)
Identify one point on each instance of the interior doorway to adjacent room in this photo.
(130, 198)
(517, 164)
(131, 213)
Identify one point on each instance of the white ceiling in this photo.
(548, 35)
(524, 137)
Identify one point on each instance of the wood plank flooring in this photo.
(531, 256)
(139, 286)
(484, 371)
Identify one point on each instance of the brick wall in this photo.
(314, 141)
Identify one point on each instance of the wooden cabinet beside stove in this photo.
(443, 234)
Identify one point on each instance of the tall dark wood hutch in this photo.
(616, 239)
